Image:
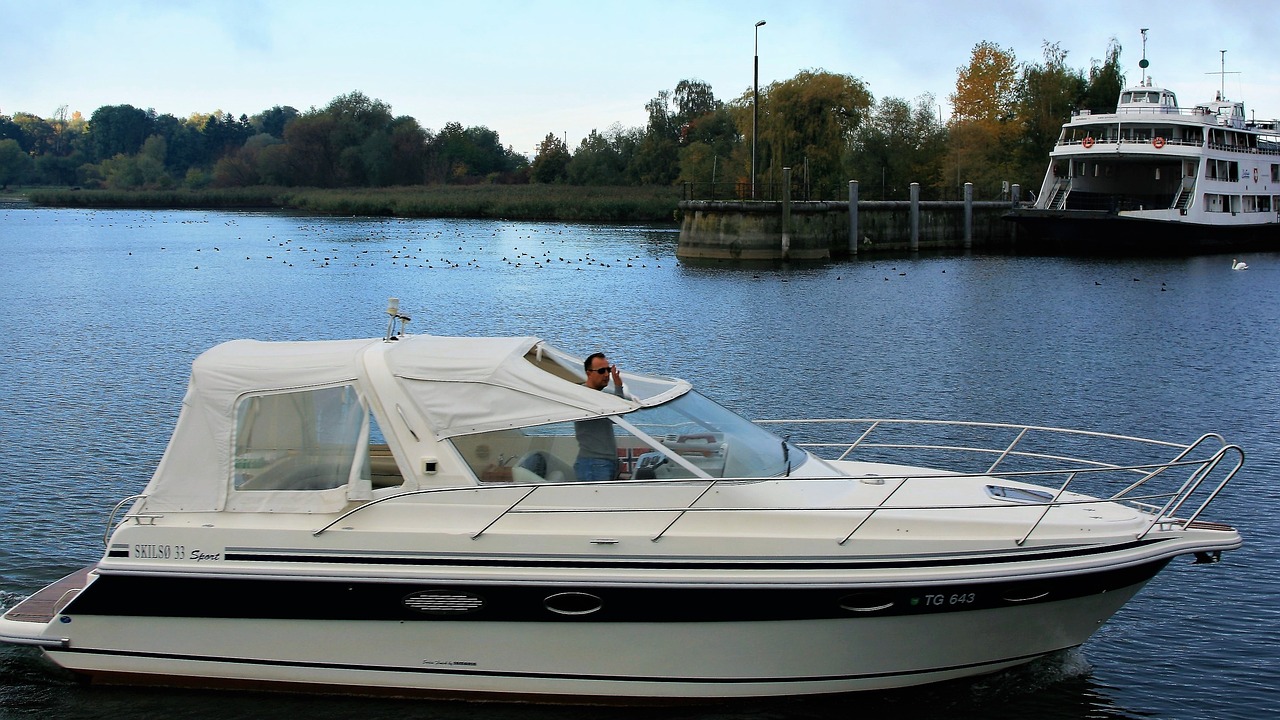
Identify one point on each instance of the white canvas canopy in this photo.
(469, 385)
(455, 385)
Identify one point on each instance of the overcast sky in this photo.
(528, 68)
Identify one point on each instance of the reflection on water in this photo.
(104, 312)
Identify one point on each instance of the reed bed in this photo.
(515, 202)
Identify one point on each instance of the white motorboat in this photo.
(1154, 177)
(400, 515)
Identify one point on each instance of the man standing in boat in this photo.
(597, 447)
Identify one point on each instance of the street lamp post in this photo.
(755, 107)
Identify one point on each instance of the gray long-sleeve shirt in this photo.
(595, 436)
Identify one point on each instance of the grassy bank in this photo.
(517, 202)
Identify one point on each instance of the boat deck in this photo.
(44, 605)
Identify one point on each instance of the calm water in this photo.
(103, 313)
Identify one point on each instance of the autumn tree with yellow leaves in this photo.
(983, 126)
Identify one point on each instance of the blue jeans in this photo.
(587, 469)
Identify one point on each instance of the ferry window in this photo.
(1275, 173)
(298, 440)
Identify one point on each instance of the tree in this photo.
(987, 88)
(408, 152)
(597, 161)
(656, 156)
(184, 144)
(311, 158)
(551, 164)
(1105, 81)
(358, 139)
(809, 121)
(272, 121)
(15, 165)
(983, 121)
(37, 132)
(1049, 92)
(10, 130)
(118, 130)
(898, 144)
(224, 134)
(693, 99)
(467, 154)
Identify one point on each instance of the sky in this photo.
(529, 68)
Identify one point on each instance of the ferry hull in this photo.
(1097, 232)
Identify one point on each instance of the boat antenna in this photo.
(393, 310)
(1222, 75)
(1143, 63)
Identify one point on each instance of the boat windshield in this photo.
(687, 437)
(702, 431)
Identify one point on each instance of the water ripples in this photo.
(106, 310)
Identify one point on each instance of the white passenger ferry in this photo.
(1154, 177)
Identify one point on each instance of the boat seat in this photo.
(542, 466)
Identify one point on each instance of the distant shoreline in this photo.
(566, 203)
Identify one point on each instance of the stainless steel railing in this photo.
(1073, 467)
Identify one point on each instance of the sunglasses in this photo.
(601, 371)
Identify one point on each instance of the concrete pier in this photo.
(818, 231)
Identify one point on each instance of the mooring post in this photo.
(853, 217)
(968, 216)
(1017, 194)
(786, 213)
(915, 217)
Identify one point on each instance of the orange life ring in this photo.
(1158, 142)
(1087, 142)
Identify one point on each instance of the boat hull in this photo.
(1098, 232)
(630, 644)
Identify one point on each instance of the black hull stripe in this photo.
(178, 596)
(169, 657)
(649, 564)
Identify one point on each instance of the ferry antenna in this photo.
(1222, 75)
(1144, 63)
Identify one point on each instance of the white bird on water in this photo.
(1237, 265)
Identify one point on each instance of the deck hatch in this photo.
(1024, 495)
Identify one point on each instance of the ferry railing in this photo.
(1193, 478)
